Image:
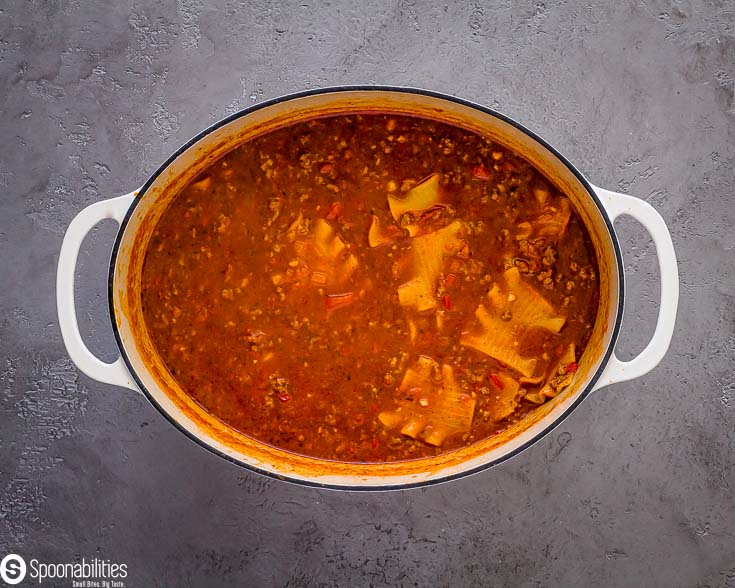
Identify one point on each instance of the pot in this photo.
(140, 369)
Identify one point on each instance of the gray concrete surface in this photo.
(635, 489)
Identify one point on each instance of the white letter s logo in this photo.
(12, 569)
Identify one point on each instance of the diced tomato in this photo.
(497, 382)
(326, 167)
(285, 397)
(571, 367)
(480, 172)
(447, 302)
(335, 211)
(450, 280)
(333, 301)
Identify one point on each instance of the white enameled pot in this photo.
(140, 369)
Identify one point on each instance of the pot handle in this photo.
(109, 373)
(617, 205)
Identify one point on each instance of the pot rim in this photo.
(369, 88)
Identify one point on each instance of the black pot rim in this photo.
(372, 88)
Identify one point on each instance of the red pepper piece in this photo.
(375, 442)
(447, 301)
(333, 301)
(497, 382)
(335, 211)
(430, 215)
(480, 172)
(571, 367)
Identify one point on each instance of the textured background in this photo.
(636, 488)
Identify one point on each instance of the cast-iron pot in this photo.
(140, 368)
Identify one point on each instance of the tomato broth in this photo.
(370, 287)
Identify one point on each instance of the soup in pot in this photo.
(370, 287)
